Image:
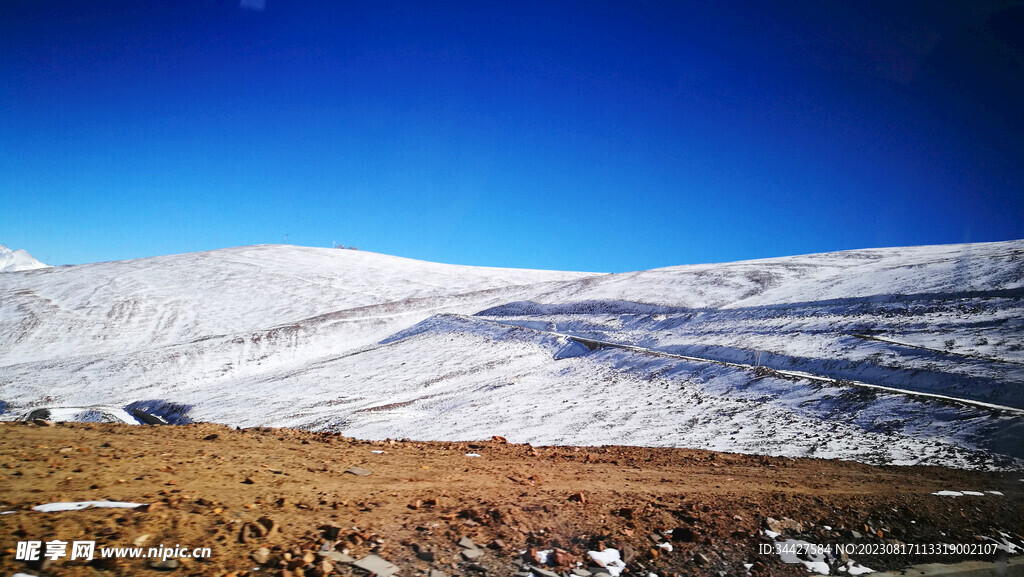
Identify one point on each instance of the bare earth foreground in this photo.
(265, 501)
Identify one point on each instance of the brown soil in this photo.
(209, 484)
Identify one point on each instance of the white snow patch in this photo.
(963, 493)
(1004, 544)
(95, 413)
(79, 505)
(610, 559)
(816, 561)
(854, 568)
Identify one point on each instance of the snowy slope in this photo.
(855, 274)
(17, 260)
(379, 346)
(114, 307)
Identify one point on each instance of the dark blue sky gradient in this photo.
(569, 135)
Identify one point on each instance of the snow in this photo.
(95, 413)
(854, 568)
(947, 493)
(610, 559)
(815, 560)
(378, 347)
(1003, 544)
(79, 505)
(18, 260)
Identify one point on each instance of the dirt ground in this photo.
(266, 501)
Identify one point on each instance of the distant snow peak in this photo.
(16, 260)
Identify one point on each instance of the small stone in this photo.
(249, 481)
(580, 572)
(467, 543)
(330, 532)
(415, 504)
(533, 554)
(778, 526)
(337, 556)
(376, 565)
(701, 559)
(472, 554)
(261, 555)
(684, 534)
(562, 558)
(542, 572)
(425, 555)
(436, 573)
(358, 471)
(168, 565)
(578, 497)
(628, 554)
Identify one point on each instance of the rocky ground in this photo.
(288, 502)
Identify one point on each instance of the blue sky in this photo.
(568, 135)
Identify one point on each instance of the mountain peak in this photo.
(17, 260)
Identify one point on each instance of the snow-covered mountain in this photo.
(904, 355)
(17, 260)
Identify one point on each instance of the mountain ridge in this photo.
(378, 346)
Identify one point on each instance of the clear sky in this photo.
(580, 135)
